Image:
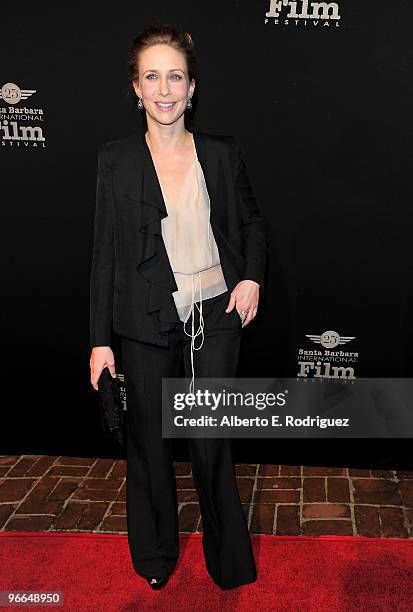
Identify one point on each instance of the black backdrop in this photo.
(328, 103)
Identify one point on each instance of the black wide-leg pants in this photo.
(151, 499)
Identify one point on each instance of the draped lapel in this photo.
(151, 193)
(153, 263)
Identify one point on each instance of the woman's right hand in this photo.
(101, 357)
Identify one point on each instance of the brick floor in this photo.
(50, 493)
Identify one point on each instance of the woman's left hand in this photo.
(245, 296)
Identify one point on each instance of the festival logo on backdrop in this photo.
(20, 125)
(327, 361)
(303, 13)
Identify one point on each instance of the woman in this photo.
(179, 252)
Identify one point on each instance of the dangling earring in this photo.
(189, 103)
(140, 104)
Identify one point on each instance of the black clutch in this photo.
(111, 406)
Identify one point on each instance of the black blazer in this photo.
(131, 280)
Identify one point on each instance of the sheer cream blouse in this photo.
(192, 250)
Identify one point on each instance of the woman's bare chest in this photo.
(173, 173)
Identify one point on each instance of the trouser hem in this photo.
(234, 585)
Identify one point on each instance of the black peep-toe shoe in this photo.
(160, 582)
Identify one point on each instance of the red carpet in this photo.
(295, 573)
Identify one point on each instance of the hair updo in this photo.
(155, 34)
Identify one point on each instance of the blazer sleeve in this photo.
(103, 261)
(254, 237)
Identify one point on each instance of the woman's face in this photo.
(163, 78)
